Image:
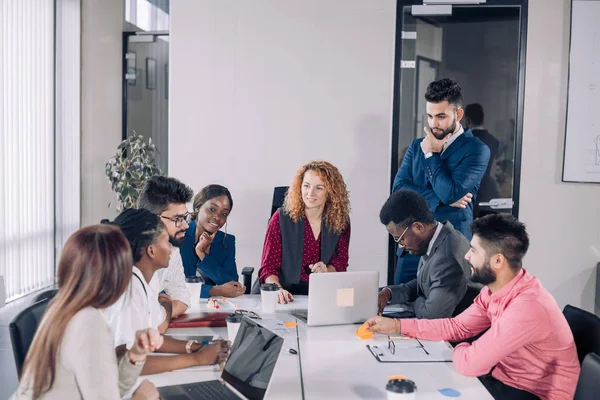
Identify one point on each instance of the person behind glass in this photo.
(72, 354)
(207, 251)
(137, 309)
(310, 233)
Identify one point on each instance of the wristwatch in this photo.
(188, 346)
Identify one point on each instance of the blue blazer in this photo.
(443, 179)
(218, 267)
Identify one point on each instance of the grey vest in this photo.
(292, 247)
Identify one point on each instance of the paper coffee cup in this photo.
(194, 284)
(268, 297)
(233, 325)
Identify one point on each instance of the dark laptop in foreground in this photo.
(247, 373)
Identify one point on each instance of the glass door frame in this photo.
(400, 4)
(126, 36)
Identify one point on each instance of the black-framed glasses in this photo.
(392, 345)
(179, 219)
(398, 239)
(250, 314)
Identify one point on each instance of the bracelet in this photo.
(397, 325)
(188, 346)
(133, 362)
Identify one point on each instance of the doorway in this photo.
(482, 47)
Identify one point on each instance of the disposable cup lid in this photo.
(401, 386)
(234, 318)
(269, 287)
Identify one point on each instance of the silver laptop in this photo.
(340, 298)
(247, 373)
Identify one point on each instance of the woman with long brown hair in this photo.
(316, 216)
(72, 355)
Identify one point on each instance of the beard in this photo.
(444, 133)
(177, 242)
(420, 250)
(484, 275)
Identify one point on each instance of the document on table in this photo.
(410, 350)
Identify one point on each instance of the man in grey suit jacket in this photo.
(441, 281)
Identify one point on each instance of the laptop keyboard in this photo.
(208, 390)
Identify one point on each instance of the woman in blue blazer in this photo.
(207, 251)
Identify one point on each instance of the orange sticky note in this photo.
(363, 333)
(290, 324)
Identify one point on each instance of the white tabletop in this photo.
(335, 363)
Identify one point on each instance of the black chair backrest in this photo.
(22, 330)
(588, 386)
(48, 294)
(278, 197)
(586, 330)
(472, 292)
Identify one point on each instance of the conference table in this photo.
(335, 364)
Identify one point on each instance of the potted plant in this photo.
(130, 167)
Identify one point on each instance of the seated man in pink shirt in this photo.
(528, 350)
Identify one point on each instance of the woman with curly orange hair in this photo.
(310, 233)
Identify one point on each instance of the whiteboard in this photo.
(582, 137)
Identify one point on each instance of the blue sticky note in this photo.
(449, 392)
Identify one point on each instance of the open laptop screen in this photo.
(252, 360)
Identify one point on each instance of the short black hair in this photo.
(161, 191)
(405, 207)
(503, 234)
(141, 228)
(474, 113)
(444, 90)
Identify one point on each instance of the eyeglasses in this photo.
(250, 314)
(179, 219)
(392, 345)
(398, 239)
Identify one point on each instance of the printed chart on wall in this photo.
(582, 138)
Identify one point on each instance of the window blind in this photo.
(36, 214)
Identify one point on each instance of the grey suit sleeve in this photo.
(404, 292)
(447, 289)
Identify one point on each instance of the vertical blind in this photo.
(32, 207)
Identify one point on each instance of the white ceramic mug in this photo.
(268, 297)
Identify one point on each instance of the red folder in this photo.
(200, 320)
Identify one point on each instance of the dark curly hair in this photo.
(160, 191)
(444, 90)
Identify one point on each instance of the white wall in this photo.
(101, 102)
(259, 88)
(563, 218)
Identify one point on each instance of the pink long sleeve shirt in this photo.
(529, 341)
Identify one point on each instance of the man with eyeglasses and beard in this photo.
(528, 352)
(445, 167)
(167, 198)
(441, 281)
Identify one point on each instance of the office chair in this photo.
(588, 385)
(247, 278)
(22, 330)
(473, 290)
(47, 294)
(278, 197)
(586, 330)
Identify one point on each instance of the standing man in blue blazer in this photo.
(445, 167)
